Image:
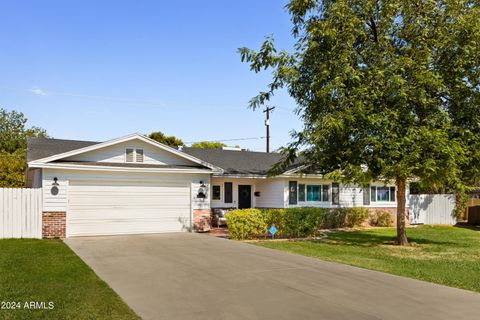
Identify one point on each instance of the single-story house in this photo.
(135, 185)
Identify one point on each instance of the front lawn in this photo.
(444, 255)
(48, 271)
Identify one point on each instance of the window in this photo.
(335, 193)
(301, 192)
(383, 194)
(317, 192)
(216, 192)
(292, 192)
(313, 193)
(133, 155)
(228, 192)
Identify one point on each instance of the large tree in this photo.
(208, 145)
(171, 141)
(13, 147)
(387, 90)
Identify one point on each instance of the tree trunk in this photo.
(401, 201)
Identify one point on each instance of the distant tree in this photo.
(13, 147)
(387, 90)
(171, 141)
(208, 145)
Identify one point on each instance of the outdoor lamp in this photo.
(202, 190)
(54, 189)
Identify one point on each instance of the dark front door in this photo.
(244, 196)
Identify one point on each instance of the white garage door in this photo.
(126, 207)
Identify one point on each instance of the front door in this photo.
(244, 196)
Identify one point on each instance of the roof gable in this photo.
(84, 147)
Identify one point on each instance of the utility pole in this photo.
(267, 124)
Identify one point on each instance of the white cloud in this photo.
(38, 91)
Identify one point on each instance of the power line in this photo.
(227, 140)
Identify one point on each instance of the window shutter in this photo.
(228, 192)
(292, 192)
(335, 193)
(366, 195)
(392, 194)
(139, 155)
(129, 155)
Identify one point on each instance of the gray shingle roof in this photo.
(232, 162)
(38, 148)
(237, 162)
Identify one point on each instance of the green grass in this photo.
(444, 255)
(47, 270)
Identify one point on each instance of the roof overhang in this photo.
(65, 166)
(48, 160)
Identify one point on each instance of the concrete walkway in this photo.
(193, 276)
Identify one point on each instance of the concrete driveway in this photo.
(193, 276)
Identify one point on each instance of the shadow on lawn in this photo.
(467, 226)
(371, 239)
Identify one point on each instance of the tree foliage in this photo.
(387, 89)
(208, 145)
(13, 147)
(171, 141)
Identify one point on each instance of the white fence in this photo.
(20, 213)
(432, 209)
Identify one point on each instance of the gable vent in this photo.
(139, 155)
(129, 155)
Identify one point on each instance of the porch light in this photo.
(54, 190)
(202, 190)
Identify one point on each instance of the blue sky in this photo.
(95, 70)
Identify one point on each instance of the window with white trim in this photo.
(216, 192)
(382, 194)
(317, 193)
(133, 155)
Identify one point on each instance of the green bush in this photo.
(246, 224)
(381, 218)
(291, 222)
(356, 216)
(334, 218)
(303, 222)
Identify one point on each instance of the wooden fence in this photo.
(432, 209)
(20, 213)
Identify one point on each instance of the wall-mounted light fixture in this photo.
(256, 193)
(54, 190)
(202, 191)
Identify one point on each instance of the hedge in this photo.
(292, 222)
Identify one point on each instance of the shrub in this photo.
(246, 224)
(303, 222)
(381, 218)
(334, 218)
(356, 216)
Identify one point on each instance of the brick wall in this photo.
(202, 220)
(53, 225)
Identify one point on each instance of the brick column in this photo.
(202, 220)
(54, 225)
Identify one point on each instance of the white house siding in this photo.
(272, 193)
(58, 203)
(116, 154)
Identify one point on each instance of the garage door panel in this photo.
(104, 207)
